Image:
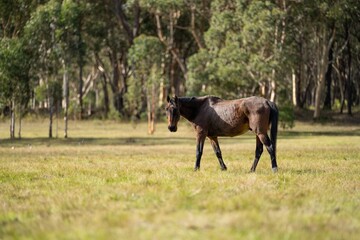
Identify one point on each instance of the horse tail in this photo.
(274, 118)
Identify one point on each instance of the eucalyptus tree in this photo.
(42, 36)
(54, 34)
(111, 27)
(14, 67)
(245, 44)
(323, 32)
(147, 54)
(347, 18)
(14, 78)
(179, 25)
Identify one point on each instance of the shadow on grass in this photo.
(355, 132)
(131, 141)
(157, 140)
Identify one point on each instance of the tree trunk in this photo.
(200, 43)
(106, 95)
(151, 108)
(80, 90)
(19, 130)
(57, 117)
(294, 89)
(169, 42)
(349, 82)
(51, 116)
(328, 80)
(131, 30)
(273, 86)
(12, 120)
(323, 53)
(66, 98)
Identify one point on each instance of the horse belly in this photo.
(227, 131)
(227, 120)
(241, 129)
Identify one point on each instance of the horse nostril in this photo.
(172, 128)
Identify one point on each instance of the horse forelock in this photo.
(172, 101)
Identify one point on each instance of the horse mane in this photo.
(199, 99)
(190, 106)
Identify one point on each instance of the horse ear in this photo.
(176, 99)
(168, 98)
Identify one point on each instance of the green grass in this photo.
(111, 181)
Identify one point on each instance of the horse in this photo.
(213, 117)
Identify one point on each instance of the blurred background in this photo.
(117, 59)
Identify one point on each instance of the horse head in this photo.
(172, 113)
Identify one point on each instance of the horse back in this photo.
(235, 117)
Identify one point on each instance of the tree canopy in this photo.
(123, 57)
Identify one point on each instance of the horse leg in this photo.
(264, 138)
(216, 147)
(258, 152)
(199, 150)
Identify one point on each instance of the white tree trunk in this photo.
(294, 89)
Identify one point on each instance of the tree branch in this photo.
(193, 29)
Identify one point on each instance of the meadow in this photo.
(110, 180)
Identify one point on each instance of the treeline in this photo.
(104, 58)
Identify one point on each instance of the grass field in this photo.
(113, 181)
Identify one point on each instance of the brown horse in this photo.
(212, 117)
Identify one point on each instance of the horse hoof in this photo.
(196, 169)
(274, 169)
(224, 169)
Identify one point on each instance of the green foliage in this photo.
(14, 15)
(241, 51)
(161, 5)
(145, 52)
(14, 72)
(145, 55)
(51, 90)
(230, 48)
(286, 116)
(41, 39)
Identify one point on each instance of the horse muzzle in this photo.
(172, 128)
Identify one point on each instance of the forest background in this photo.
(120, 59)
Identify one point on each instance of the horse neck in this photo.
(189, 107)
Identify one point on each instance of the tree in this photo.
(179, 26)
(14, 78)
(324, 36)
(52, 94)
(241, 54)
(14, 57)
(146, 78)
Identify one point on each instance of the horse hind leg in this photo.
(264, 138)
(199, 150)
(258, 152)
(216, 147)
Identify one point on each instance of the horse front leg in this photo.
(216, 147)
(200, 139)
